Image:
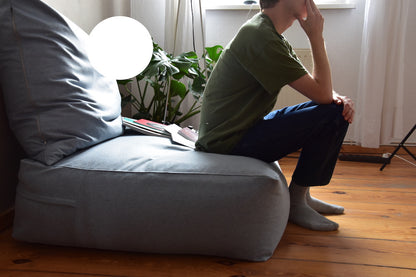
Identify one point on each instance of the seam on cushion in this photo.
(47, 199)
(165, 172)
(28, 90)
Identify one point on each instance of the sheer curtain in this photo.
(184, 32)
(184, 29)
(382, 90)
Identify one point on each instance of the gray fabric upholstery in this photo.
(55, 101)
(142, 193)
(10, 154)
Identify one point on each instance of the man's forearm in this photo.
(321, 68)
(318, 85)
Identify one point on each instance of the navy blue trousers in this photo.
(318, 130)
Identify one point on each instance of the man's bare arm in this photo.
(318, 86)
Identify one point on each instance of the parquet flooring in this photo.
(377, 237)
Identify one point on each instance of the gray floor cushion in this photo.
(143, 193)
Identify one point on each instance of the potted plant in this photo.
(167, 81)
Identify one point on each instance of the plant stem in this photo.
(167, 101)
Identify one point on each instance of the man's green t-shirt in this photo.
(244, 84)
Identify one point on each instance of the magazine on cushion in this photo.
(174, 130)
(146, 127)
(185, 136)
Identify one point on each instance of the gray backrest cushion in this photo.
(55, 101)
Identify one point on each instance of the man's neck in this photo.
(281, 19)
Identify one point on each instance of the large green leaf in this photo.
(214, 52)
(186, 63)
(177, 89)
(124, 82)
(198, 86)
(161, 65)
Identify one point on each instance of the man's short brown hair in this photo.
(265, 4)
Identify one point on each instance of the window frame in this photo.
(233, 5)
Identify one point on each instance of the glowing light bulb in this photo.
(120, 47)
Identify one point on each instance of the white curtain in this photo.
(382, 90)
(184, 32)
(184, 26)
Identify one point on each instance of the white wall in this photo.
(88, 13)
(151, 13)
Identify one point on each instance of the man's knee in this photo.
(333, 114)
(334, 110)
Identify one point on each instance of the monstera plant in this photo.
(167, 81)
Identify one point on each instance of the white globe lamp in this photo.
(120, 47)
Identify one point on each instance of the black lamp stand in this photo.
(401, 144)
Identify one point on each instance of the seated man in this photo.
(243, 88)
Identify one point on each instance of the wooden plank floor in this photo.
(377, 237)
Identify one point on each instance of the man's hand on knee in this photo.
(349, 111)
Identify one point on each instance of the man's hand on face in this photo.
(313, 25)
